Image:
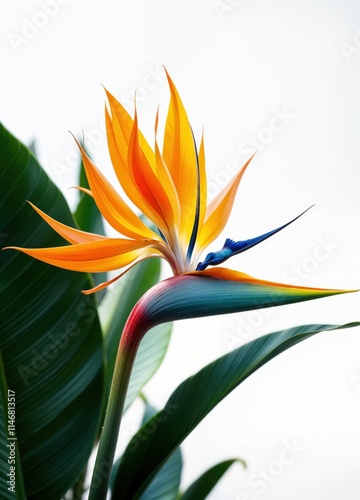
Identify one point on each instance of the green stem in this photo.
(108, 440)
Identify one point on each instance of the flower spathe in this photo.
(169, 187)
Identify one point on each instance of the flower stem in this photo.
(128, 346)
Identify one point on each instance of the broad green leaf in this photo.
(149, 410)
(151, 446)
(114, 311)
(148, 359)
(50, 336)
(89, 218)
(165, 485)
(201, 488)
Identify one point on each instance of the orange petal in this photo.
(118, 147)
(172, 208)
(203, 183)
(84, 190)
(101, 286)
(118, 128)
(114, 209)
(219, 210)
(180, 157)
(68, 233)
(159, 207)
(123, 124)
(226, 274)
(99, 256)
(118, 150)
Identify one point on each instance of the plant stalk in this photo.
(128, 346)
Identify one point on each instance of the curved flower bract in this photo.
(212, 292)
(169, 187)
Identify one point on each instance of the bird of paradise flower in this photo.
(170, 189)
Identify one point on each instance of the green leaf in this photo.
(89, 218)
(200, 488)
(50, 336)
(148, 359)
(114, 311)
(165, 485)
(194, 399)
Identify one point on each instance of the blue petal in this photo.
(232, 247)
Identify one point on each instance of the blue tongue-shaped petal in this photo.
(232, 247)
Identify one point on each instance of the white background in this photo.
(237, 65)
